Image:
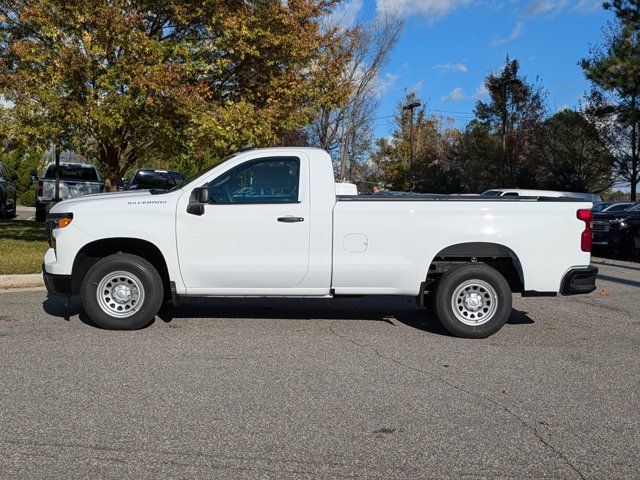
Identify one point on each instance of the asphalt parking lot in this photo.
(351, 388)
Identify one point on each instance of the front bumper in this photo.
(579, 281)
(610, 239)
(57, 284)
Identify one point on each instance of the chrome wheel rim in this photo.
(120, 294)
(474, 302)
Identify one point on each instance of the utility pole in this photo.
(411, 106)
(503, 152)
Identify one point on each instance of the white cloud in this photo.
(540, 7)
(384, 83)
(418, 86)
(451, 67)
(455, 95)
(515, 33)
(588, 6)
(431, 9)
(554, 7)
(481, 92)
(345, 14)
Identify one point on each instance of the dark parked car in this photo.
(8, 194)
(618, 231)
(612, 206)
(153, 179)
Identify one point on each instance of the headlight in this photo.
(60, 220)
(619, 222)
(55, 221)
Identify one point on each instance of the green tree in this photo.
(19, 156)
(576, 156)
(614, 71)
(476, 157)
(431, 138)
(125, 81)
(514, 113)
(626, 11)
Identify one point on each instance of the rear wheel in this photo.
(122, 292)
(473, 301)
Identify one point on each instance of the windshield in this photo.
(635, 208)
(148, 179)
(83, 173)
(600, 207)
(621, 207)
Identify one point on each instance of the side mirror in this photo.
(199, 198)
(195, 209)
(200, 195)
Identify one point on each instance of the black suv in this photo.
(153, 179)
(8, 194)
(618, 231)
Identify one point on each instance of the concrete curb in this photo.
(12, 282)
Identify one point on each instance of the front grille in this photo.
(601, 226)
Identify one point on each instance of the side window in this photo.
(268, 180)
(511, 194)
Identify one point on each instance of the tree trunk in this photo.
(113, 166)
(634, 161)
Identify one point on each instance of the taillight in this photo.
(585, 240)
(40, 189)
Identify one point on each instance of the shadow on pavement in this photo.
(56, 307)
(623, 281)
(376, 309)
(614, 265)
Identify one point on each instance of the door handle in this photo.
(290, 219)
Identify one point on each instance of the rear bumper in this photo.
(57, 284)
(579, 281)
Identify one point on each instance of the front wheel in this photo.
(473, 301)
(122, 292)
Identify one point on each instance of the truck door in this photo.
(254, 233)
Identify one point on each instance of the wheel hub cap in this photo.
(120, 294)
(474, 302)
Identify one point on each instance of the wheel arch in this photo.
(498, 256)
(90, 253)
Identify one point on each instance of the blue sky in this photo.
(448, 46)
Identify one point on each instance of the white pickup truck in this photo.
(268, 223)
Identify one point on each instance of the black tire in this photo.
(14, 212)
(133, 267)
(41, 212)
(497, 307)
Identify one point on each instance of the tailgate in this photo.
(69, 188)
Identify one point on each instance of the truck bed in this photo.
(428, 197)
